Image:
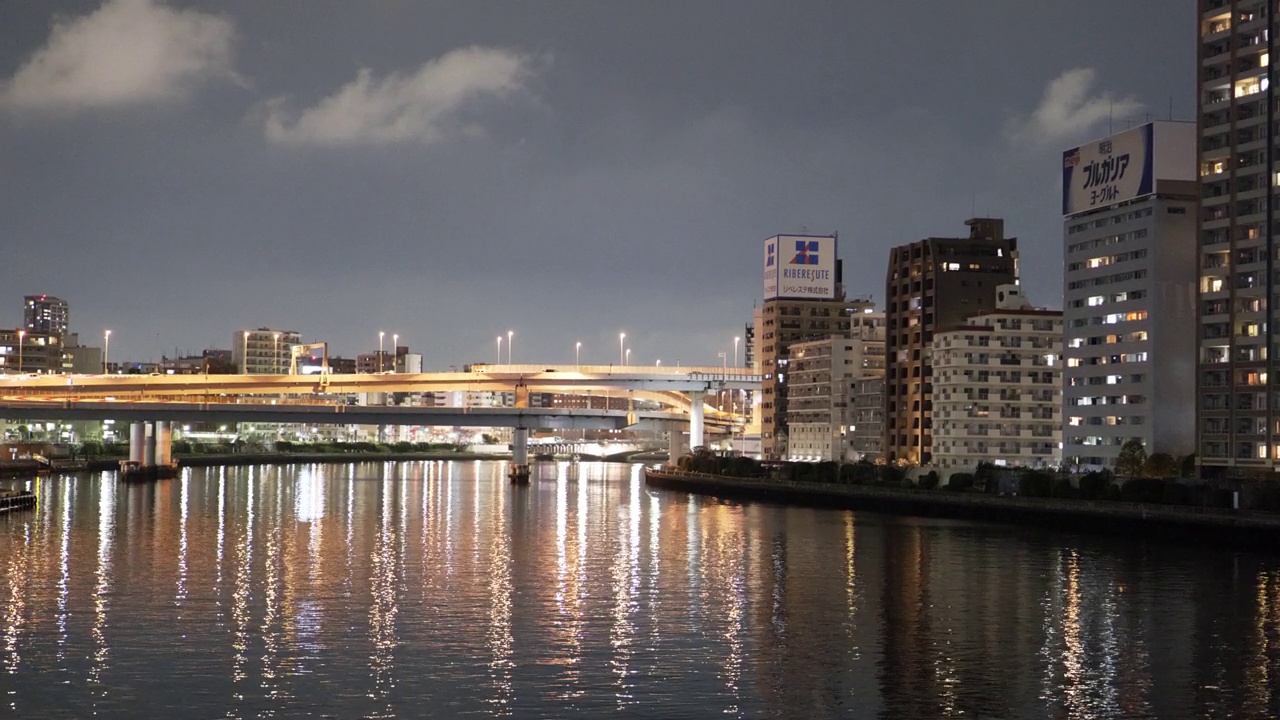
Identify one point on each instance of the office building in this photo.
(1129, 234)
(997, 388)
(803, 300)
(264, 351)
(1237, 408)
(45, 314)
(933, 283)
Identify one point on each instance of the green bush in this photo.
(1062, 488)
(1035, 483)
(891, 475)
(1175, 493)
(1143, 490)
(960, 482)
(929, 480)
(1094, 484)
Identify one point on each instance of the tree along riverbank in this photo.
(1210, 525)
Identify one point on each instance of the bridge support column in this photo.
(675, 443)
(149, 453)
(137, 442)
(520, 446)
(164, 442)
(695, 419)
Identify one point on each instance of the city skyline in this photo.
(567, 175)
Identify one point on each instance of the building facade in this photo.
(23, 351)
(867, 427)
(823, 375)
(45, 314)
(1238, 407)
(933, 283)
(997, 388)
(1130, 295)
(263, 351)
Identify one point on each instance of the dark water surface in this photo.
(438, 590)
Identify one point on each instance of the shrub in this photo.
(960, 482)
(891, 475)
(1035, 483)
(929, 480)
(1143, 490)
(1175, 493)
(1062, 488)
(1094, 484)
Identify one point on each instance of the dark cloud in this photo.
(626, 185)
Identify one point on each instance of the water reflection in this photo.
(388, 590)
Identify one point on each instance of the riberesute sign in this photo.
(1109, 171)
(800, 267)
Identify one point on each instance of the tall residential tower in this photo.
(933, 283)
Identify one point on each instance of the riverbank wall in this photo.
(240, 459)
(1207, 525)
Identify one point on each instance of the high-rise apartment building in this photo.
(264, 351)
(1129, 234)
(1238, 409)
(803, 300)
(45, 314)
(932, 283)
(997, 387)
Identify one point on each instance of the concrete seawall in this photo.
(1254, 530)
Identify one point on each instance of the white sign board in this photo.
(1110, 171)
(800, 267)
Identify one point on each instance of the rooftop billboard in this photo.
(1126, 165)
(800, 267)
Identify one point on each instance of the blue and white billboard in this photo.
(1110, 171)
(801, 267)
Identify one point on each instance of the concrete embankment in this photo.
(1255, 530)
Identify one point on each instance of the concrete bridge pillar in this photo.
(520, 446)
(149, 452)
(164, 442)
(695, 419)
(675, 443)
(137, 442)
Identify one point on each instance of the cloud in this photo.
(421, 108)
(127, 52)
(1069, 110)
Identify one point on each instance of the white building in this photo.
(1129, 294)
(997, 387)
(263, 351)
(823, 381)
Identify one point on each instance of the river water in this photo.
(435, 589)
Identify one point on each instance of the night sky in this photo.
(450, 171)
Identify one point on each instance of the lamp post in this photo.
(395, 351)
(106, 350)
(381, 334)
(21, 334)
(736, 339)
(510, 334)
(499, 350)
(659, 363)
(628, 357)
(622, 353)
(577, 353)
(275, 353)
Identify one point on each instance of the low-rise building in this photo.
(264, 351)
(997, 387)
(23, 351)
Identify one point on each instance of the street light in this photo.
(628, 357)
(275, 353)
(622, 353)
(21, 334)
(659, 363)
(395, 351)
(510, 344)
(381, 334)
(499, 349)
(106, 350)
(735, 350)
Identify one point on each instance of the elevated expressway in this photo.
(322, 398)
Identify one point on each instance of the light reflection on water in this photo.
(416, 589)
